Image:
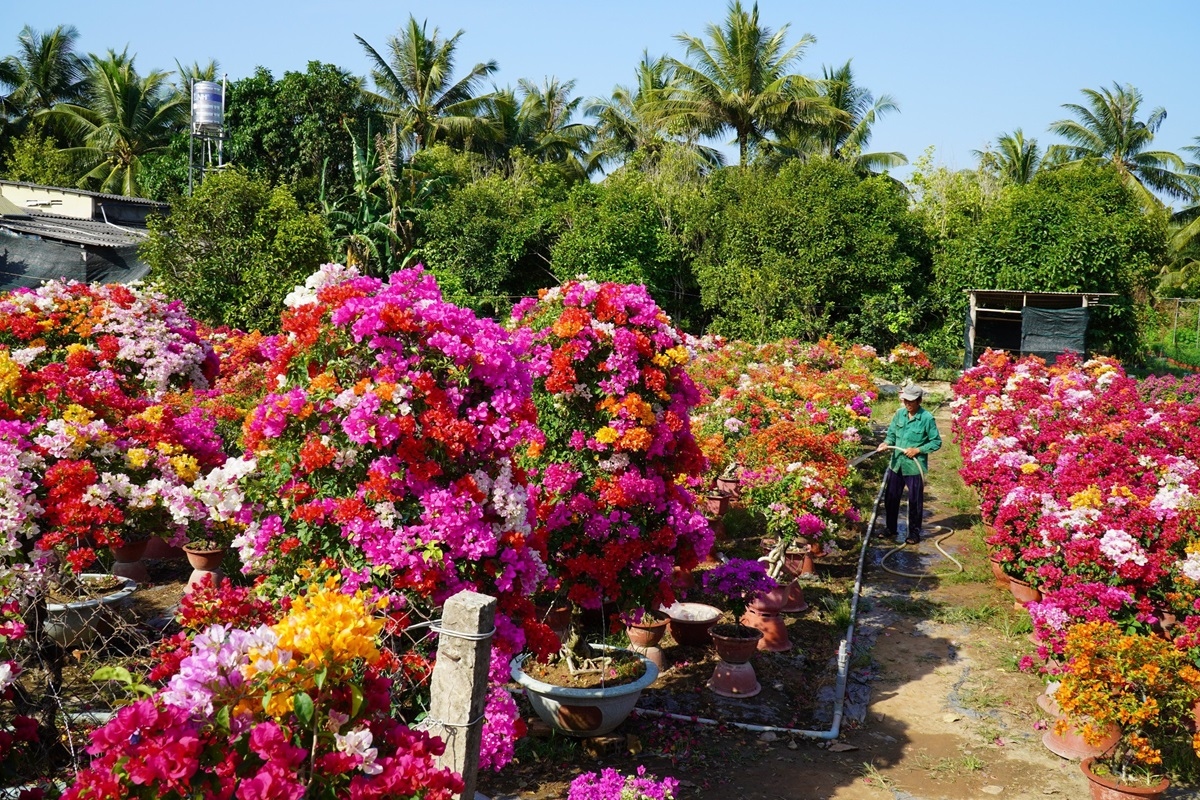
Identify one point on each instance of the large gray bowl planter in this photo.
(583, 712)
(82, 622)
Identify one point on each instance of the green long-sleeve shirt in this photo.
(919, 431)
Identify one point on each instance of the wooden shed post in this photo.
(459, 686)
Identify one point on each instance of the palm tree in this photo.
(189, 74)
(1184, 231)
(739, 80)
(44, 71)
(1015, 159)
(546, 113)
(638, 118)
(843, 136)
(1107, 129)
(123, 117)
(416, 88)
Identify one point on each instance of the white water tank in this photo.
(208, 112)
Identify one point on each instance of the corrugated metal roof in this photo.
(72, 230)
(86, 193)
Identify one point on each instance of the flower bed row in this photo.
(1090, 484)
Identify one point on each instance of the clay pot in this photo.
(204, 563)
(815, 548)
(795, 603)
(1104, 788)
(127, 561)
(649, 632)
(1071, 744)
(774, 629)
(998, 572)
(690, 623)
(799, 565)
(728, 486)
(716, 503)
(733, 676)
(1023, 592)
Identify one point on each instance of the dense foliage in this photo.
(234, 249)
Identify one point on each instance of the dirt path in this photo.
(949, 716)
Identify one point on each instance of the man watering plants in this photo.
(912, 436)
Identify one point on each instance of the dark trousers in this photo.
(896, 484)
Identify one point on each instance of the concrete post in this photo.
(459, 685)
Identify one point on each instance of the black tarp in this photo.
(28, 261)
(1049, 332)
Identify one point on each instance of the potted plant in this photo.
(1141, 683)
(739, 581)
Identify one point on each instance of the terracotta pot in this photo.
(998, 572)
(799, 565)
(157, 547)
(772, 601)
(716, 504)
(796, 603)
(774, 629)
(733, 676)
(1104, 788)
(205, 560)
(729, 486)
(127, 561)
(1071, 744)
(690, 623)
(815, 548)
(1023, 592)
(649, 632)
(734, 644)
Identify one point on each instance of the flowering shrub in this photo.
(739, 581)
(613, 401)
(277, 711)
(1086, 486)
(85, 373)
(1141, 683)
(386, 445)
(609, 784)
(906, 362)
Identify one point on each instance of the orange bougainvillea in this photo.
(1141, 683)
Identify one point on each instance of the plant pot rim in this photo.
(203, 551)
(126, 588)
(755, 634)
(1085, 766)
(566, 692)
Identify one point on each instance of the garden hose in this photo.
(937, 540)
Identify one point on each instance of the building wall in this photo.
(50, 200)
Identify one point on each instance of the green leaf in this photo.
(223, 719)
(304, 707)
(320, 677)
(119, 674)
(356, 700)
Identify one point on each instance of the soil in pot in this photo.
(622, 667)
(1105, 786)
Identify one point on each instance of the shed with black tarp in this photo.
(1045, 324)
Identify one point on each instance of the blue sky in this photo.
(962, 71)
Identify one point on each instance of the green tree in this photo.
(300, 129)
(489, 240)
(539, 121)
(1078, 230)
(641, 119)
(844, 136)
(234, 249)
(35, 158)
(416, 88)
(1107, 129)
(618, 231)
(124, 118)
(44, 72)
(813, 248)
(1015, 159)
(739, 80)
